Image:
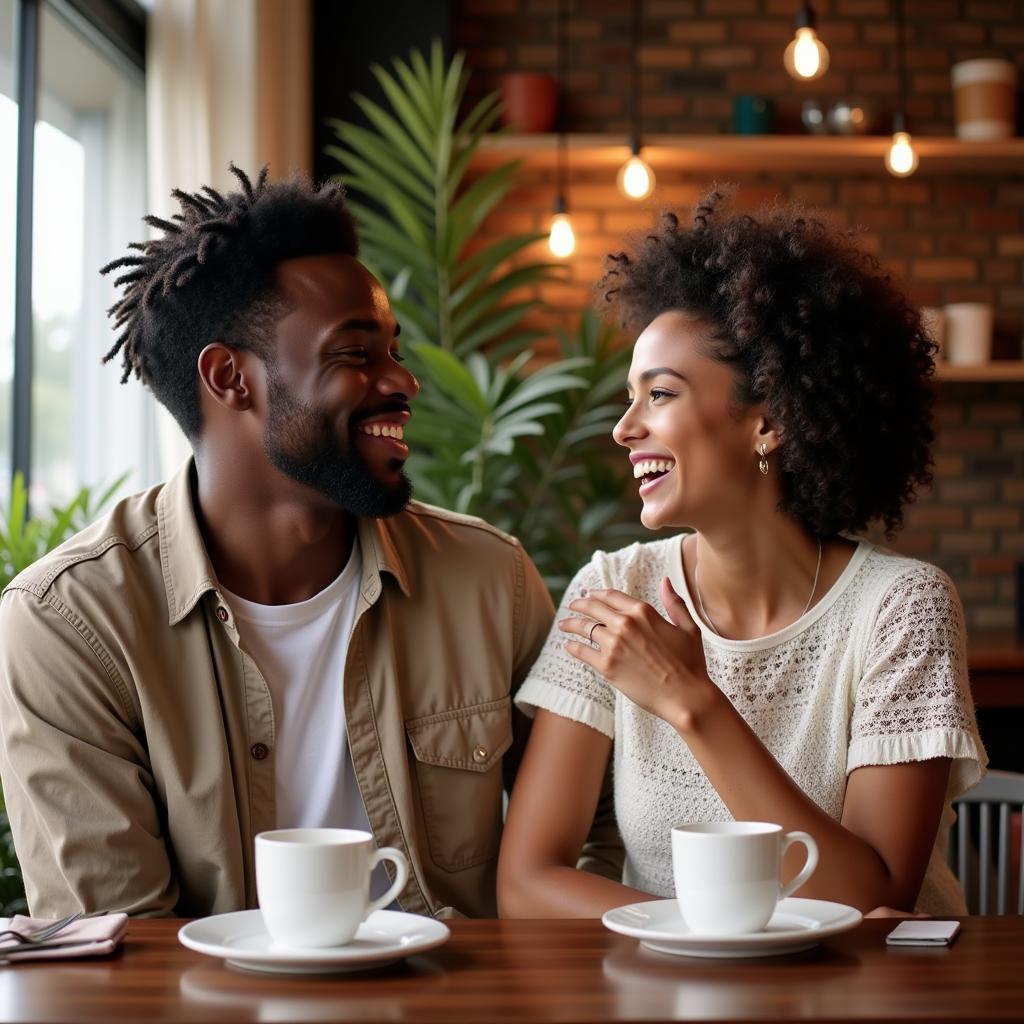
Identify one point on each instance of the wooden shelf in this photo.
(758, 152)
(1005, 370)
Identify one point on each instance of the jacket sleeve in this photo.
(80, 794)
(603, 852)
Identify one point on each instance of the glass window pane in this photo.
(89, 200)
(8, 199)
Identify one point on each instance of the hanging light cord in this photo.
(901, 60)
(634, 78)
(563, 63)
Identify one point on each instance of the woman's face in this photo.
(692, 449)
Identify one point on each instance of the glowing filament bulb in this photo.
(562, 240)
(636, 179)
(901, 160)
(806, 56)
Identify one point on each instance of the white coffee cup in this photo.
(313, 884)
(968, 333)
(727, 873)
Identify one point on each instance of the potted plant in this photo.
(497, 432)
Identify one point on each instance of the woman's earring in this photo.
(763, 463)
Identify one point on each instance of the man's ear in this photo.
(225, 374)
(767, 433)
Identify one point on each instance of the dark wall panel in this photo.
(348, 37)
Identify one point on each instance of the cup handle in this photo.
(809, 865)
(401, 876)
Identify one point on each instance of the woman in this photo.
(763, 667)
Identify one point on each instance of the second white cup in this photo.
(968, 333)
(313, 884)
(727, 873)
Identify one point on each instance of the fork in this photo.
(44, 933)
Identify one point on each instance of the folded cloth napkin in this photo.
(92, 936)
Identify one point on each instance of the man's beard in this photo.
(302, 444)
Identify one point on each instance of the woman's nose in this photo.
(628, 428)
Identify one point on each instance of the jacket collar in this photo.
(186, 566)
(377, 542)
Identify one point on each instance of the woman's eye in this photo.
(657, 393)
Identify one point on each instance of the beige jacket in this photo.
(138, 736)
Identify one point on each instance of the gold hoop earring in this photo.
(763, 463)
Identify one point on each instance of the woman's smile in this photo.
(650, 470)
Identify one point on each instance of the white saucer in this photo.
(242, 940)
(796, 925)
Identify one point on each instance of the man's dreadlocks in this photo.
(211, 278)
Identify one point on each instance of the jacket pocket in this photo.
(458, 775)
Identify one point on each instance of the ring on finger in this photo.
(590, 635)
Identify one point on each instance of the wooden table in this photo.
(527, 971)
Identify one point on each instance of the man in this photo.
(276, 636)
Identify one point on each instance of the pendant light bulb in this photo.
(901, 157)
(806, 57)
(636, 179)
(562, 239)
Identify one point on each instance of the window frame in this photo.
(118, 29)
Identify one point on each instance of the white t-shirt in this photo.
(874, 673)
(301, 650)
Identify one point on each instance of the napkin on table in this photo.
(97, 935)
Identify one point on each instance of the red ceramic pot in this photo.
(531, 101)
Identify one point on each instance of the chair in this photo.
(1004, 790)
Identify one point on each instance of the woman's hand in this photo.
(657, 664)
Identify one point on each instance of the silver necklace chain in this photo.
(710, 621)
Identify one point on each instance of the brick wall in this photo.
(949, 238)
(697, 54)
(972, 521)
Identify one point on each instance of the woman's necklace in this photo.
(708, 619)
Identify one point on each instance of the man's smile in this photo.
(383, 429)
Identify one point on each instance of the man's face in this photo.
(338, 396)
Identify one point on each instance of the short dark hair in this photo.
(211, 277)
(814, 329)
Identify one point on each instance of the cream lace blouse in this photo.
(872, 674)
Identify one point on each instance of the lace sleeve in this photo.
(913, 701)
(563, 685)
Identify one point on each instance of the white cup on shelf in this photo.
(727, 873)
(968, 333)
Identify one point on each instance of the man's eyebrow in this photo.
(657, 371)
(357, 324)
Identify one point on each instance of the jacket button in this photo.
(259, 751)
(222, 613)
(479, 754)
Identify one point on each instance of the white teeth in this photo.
(649, 466)
(394, 430)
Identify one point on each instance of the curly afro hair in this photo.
(814, 330)
(211, 277)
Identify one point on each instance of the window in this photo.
(89, 196)
(8, 207)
